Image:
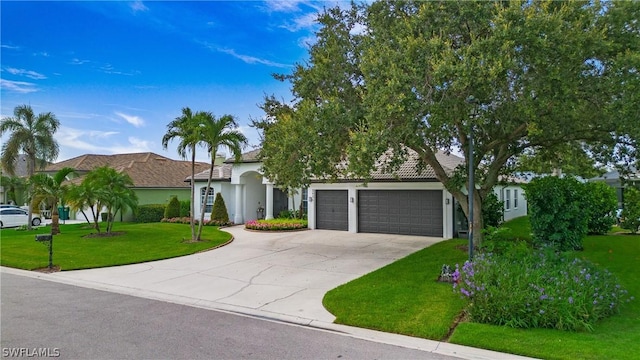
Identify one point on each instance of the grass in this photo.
(404, 298)
(72, 250)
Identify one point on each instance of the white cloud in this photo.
(306, 21)
(251, 59)
(75, 142)
(76, 61)
(109, 69)
(28, 73)
(137, 6)
(307, 42)
(18, 86)
(42, 53)
(131, 119)
(4, 46)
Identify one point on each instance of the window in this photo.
(515, 198)
(305, 200)
(507, 200)
(209, 202)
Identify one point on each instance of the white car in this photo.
(10, 217)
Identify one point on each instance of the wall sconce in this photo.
(351, 199)
(446, 201)
(310, 198)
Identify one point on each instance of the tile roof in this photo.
(220, 173)
(252, 156)
(409, 169)
(147, 170)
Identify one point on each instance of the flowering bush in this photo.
(541, 289)
(276, 224)
(187, 220)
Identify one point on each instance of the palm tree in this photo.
(79, 197)
(52, 190)
(215, 133)
(185, 128)
(12, 185)
(31, 135)
(112, 190)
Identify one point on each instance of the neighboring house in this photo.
(21, 171)
(612, 178)
(155, 178)
(406, 202)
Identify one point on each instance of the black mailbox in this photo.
(43, 237)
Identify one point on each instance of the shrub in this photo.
(541, 289)
(219, 211)
(173, 208)
(185, 208)
(187, 220)
(492, 210)
(276, 224)
(150, 213)
(556, 212)
(601, 205)
(631, 212)
(499, 240)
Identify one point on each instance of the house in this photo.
(613, 179)
(406, 202)
(9, 193)
(156, 179)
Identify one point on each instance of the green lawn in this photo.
(404, 298)
(72, 250)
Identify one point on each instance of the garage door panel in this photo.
(407, 212)
(332, 211)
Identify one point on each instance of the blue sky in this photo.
(115, 73)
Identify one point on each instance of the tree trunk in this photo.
(206, 195)
(55, 221)
(192, 211)
(477, 225)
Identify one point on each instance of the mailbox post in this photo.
(47, 239)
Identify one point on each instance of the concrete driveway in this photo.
(278, 275)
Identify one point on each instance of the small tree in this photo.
(172, 209)
(601, 206)
(492, 210)
(185, 206)
(631, 211)
(219, 211)
(556, 212)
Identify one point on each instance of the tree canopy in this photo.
(395, 75)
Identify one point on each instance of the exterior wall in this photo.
(255, 194)
(228, 194)
(517, 204)
(353, 188)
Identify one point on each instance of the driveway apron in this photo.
(277, 275)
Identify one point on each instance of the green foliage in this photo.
(500, 240)
(185, 208)
(601, 205)
(276, 224)
(111, 189)
(541, 289)
(492, 210)
(556, 212)
(631, 211)
(173, 208)
(544, 74)
(150, 213)
(219, 212)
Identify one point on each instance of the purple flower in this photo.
(588, 277)
(595, 302)
(543, 297)
(570, 300)
(464, 292)
(541, 311)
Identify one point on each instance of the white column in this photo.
(269, 205)
(239, 206)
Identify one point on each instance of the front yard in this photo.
(72, 250)
(405, 298)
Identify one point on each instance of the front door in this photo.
(280, 202)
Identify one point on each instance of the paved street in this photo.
(80, 323)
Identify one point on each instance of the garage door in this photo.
(406, 212)
(332, 211)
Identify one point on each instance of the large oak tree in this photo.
(396, 75)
